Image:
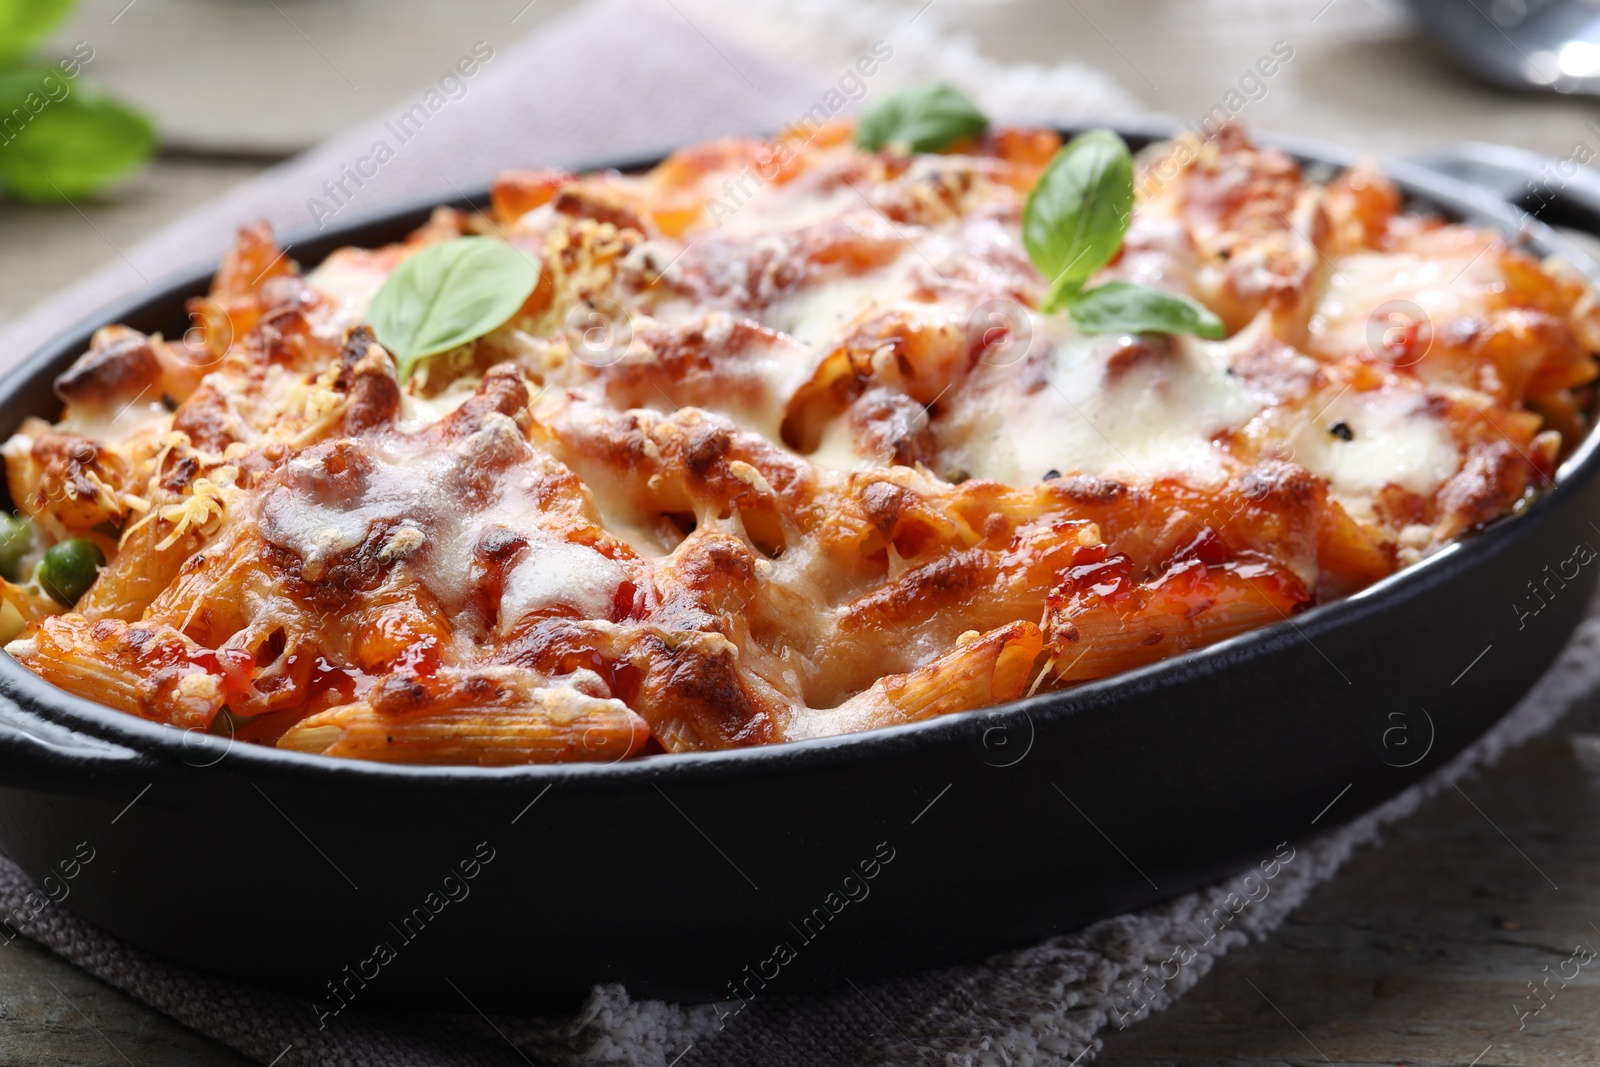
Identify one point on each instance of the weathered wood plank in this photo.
(54, 1015)
(1419, 950)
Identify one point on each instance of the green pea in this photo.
(69, 569)
(226, 724)
(16, 537)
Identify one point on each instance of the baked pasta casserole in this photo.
(779, 445)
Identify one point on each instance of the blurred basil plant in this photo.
(60, 138)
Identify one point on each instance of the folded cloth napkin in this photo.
(671, 72)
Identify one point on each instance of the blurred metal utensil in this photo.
(1524, 44)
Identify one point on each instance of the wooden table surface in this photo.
(1416, 953)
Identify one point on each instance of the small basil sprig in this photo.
(78, 141)
(23, 23)
(1123, 307)
(1074, 223)
(61, 138)
(923, 118)
(449, 294)
(1077, 213)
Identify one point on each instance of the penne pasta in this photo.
(780, 443)
(496, 725)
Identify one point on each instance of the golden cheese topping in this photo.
(781, 446)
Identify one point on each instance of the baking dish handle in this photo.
(38, 754)
(1561, 192)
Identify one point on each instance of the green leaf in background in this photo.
(924, 118)
(1077, 213)
(1123, 307)
(449, 294)
(24, 22)
(60, 138)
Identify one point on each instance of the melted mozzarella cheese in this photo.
(773, 209)
(819, 315)
(113, 423)
(1369, 293)
(350, 278)
(1104, 406)
(417, 412)
(412, 495)
(553, 572)
(838, 450)
(316, 526)
(1394, 440)
(774, 367)
(1067, 406)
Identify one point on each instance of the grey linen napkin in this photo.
(666, 81)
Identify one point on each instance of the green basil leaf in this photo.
(1077, 213)
(924, 118)
(1123, 307)
(60, 138)
(449, 294)
(23, 23)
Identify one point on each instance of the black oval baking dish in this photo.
(700, 877)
